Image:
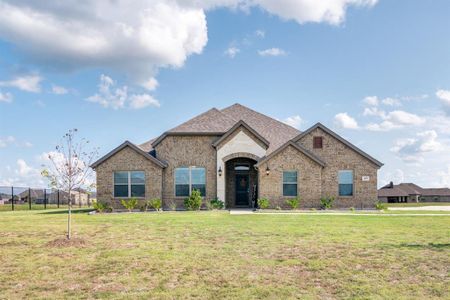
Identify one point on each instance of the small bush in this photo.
(352, 209)
(326, 202)
(217, 203)
(193, 202)
(380, 205)
(100, 206)
(129, 204)
(313, 209)
(293, 203)
(155, 203)
(263, 203)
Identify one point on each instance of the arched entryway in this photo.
(241, 182)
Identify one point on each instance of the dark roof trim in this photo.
(135, 148)
(341, 139)
(241, 123)
(165, 134)
(296, 146)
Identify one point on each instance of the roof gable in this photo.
(241, 124)
(339, 138)
(135, 148)
(299, 148)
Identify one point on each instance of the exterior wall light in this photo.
(220, 171)
(267, 170)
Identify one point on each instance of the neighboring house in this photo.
(410, 192)
(239, 155)
(39, 196)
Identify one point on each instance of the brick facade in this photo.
(186, 151)
(308, 178)
(127, 159)
(338, 156)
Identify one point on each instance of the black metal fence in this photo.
(27, 198)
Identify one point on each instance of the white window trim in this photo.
(283, 183)
(190, 180)
(129, 184)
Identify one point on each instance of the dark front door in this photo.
(242, 190)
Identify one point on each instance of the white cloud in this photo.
(260, 33)
(445, 177)
(374, 111)
(59, 90)
(6, 97)
(138, 37)
(391, 101)
(444, 97)
(343, 120)
(294, 121)
(412, 149)
(150, 84)
(4, 142)
(109, 96)
(371, 100)
(394, 120)
(143, 100)
(28, 83)
(232, 52)
(272, 52)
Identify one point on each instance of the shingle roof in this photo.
(218, 122)
(147, 146)
(406, 189)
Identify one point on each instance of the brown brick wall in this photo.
(338, 156)
(185, 151)
(308, 177)
(127, 160)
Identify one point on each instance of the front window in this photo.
(290, 183)
(188, 179)
(129, 184)
(345, 183)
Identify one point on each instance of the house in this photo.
(410, 192)
(239, 155)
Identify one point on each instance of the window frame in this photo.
(129, 184)
(353, 183)
(292, 183)
(315, 138)
(190, 180)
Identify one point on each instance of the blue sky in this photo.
(376, 72)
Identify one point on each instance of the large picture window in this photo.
(345, 178)
(129, 184)
(290, 183)
(189, 178)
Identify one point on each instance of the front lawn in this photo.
(217, 255)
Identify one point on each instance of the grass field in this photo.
(216, 255)
(25, 206)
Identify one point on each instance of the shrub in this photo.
(293, 203)
(100, 206)
(129, 204)
(352, 209)
(194, 201)
(326, 202)
(263, 203)
(380, 205)
(217, 203)
(155, 203)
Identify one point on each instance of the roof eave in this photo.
(238, 124)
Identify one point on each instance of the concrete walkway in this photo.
(432, 208)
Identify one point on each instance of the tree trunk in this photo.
(69, 234)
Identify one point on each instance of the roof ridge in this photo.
(258, 113)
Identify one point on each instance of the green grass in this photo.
(25, 206)
(211, 255)
(415, 204)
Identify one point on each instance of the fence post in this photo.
(12, 198)
(29, 198)
(58, 198)
(45, 198)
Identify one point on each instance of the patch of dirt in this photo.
(64, 242)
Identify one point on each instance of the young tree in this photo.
(69, 167)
